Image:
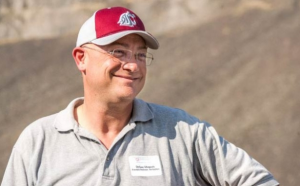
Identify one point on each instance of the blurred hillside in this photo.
(28, 19)
(234, 64)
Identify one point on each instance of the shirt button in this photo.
(107, 159)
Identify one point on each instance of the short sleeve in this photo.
(15, 173)
(222, 163)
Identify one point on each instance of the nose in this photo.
(131, 64)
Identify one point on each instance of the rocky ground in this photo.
(239, 72)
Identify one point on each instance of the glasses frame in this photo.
(148, 60)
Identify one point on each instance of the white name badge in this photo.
(145, 166)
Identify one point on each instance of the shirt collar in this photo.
(65, 120)
(141, 111)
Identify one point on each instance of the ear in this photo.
(79, 58)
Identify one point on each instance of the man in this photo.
(111, 138)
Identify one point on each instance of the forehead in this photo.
(131, 40)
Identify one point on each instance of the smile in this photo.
(126, 77)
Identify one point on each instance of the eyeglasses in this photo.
(125, 55)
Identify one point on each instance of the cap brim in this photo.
(151, 42)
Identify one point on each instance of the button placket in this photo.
(109, 163)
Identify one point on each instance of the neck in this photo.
(105, 120)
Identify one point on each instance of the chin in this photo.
(127, 92)
(127, 95)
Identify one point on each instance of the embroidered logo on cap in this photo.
(127, 19)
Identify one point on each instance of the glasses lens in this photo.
(141, 56)
(149, 58)
(121, 54)
(144, 57)
(124, 55)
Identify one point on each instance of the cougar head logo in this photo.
(127, 19)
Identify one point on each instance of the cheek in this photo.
(101, 66)
(112, 67)
(143, 70)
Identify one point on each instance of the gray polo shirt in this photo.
(159, 146)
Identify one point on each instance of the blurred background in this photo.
(233, 63)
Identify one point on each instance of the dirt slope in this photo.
(238, 72)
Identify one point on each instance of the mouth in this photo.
(126, 77)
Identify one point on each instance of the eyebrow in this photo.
(127, 46)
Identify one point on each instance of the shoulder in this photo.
(35, 133)
(183, 122)
(41, 124)
(47, 128)
(165, 116)
(167, 112)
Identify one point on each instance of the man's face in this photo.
(110, 78)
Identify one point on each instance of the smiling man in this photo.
(113, 75)
(109, 137)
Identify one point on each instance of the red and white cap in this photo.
(110, 24)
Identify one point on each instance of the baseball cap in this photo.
(110, 24)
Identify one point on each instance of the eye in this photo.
(141, 56)
(119, 53)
